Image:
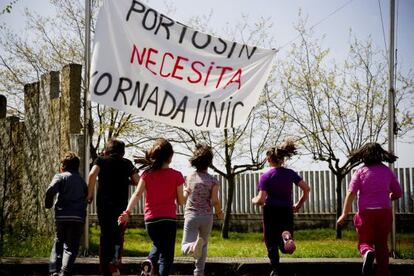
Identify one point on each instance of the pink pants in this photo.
(373, 227)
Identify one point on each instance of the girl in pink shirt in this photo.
(376, 185)
(163, 187)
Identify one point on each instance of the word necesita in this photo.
(197, 71)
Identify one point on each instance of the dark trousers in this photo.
(162, 234)
(65, 247)
(111, 238)
(275, 221)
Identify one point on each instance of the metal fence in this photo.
(322, 199)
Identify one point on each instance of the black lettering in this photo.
(198, 111)
(137, 91)
(193, 40)
(121, 90)
(234, 111)
(150, 100)
(218, 120)
(132, 8)
(154, 22)
(166, 25)
(227, 113)
(231, 50)
(183, 31)
(108, 86)
(181, 108)
(247, 51)
(224, 47)
(167, 95)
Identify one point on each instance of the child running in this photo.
(162, 186)
(376, 185)
(70, 213)
(115, 174)
(275, 193)
(202, 192)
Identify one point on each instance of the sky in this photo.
(332, 18)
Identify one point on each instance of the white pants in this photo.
(194, 227)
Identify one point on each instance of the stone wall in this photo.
(31, 148)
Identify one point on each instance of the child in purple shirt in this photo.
(275, 193)
(376, 185)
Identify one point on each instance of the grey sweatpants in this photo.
(194, 227)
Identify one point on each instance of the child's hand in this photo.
(341, 220)
(296, 207)
(220, 214)
(124, 217)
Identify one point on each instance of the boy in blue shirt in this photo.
(70, 213)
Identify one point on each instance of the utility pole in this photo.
(391, 109)
(86, 110)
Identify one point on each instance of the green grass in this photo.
(316, 243)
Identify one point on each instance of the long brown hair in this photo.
(370, 154)
(202, 157)
(160, 152)
(279, 153)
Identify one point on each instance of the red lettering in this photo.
(149, 61)
(135, 52)
(162, 64)
(196, 71)
(236, 78)
(177, 66)
(223, 70)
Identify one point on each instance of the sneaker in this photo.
(288, 243)
(368, 263)
(146, 268)
(273, 273)
(198, 247)
(114, 270)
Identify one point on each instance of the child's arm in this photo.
(181, 198)
(91, 182)
(216, 202)
(135, 197)
(260, 198)
(51, 191)
(305, 195)
(350, 196)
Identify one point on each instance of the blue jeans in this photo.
(162, 233)
(65, 247)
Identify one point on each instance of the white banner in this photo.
(147, 64)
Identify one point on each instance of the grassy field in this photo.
(314, 243)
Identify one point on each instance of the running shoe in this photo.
(198, 247)
(146, 268)
(368, 263)
(288, 243)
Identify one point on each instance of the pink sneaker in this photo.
(288, 243)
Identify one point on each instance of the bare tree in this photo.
(48, 44)
(335, 109)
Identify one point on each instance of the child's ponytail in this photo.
(160, 153)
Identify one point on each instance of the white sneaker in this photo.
(198, 247)
(368, 263)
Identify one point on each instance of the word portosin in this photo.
(144, 96)
(197, 71)
(160, 24)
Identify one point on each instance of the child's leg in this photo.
(271, 233)
(189, 235)
(206, 224)
(55, 261)
(383, 218)
(73, 233)
(362, 222)
(162, 234)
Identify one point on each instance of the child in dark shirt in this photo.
(115, 174)
(70, 213)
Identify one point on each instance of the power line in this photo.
(319, 22)
(382, 24)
